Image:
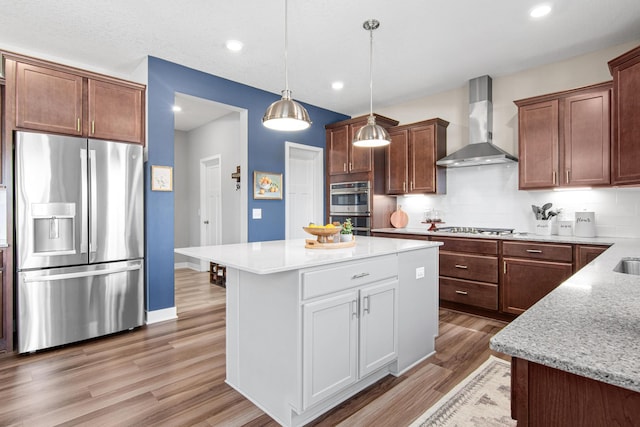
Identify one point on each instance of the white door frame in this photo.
(318, 189)
(204, 163)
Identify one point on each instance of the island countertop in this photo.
(284, 255)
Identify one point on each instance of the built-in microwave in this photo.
(350, 198)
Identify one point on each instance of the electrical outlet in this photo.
(419, 272)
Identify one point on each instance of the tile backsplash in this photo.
(488, 196)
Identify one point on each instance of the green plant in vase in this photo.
(346, 234)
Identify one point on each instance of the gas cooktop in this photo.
(477, 230)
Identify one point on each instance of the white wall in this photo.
(488, 195)
(219, 137)
(222, 136)
(181, 193)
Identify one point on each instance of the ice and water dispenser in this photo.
(53, 228)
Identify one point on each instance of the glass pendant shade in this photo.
(286, 114)
(371, 135)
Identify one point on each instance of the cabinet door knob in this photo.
(534, 251)
(463, 267)
(461, 292)
(358, 276)
(206, 222)
(568, 175)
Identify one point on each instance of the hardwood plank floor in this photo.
(172, 374)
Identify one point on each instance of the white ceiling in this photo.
(422, 46)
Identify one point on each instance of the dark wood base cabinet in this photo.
(546, 397)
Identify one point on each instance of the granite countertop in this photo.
(285, 255)
(589, 325)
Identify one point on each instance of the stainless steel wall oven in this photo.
(361, 223)
(351, 200)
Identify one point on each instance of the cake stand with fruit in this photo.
(323, 234)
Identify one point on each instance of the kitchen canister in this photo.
(565, 227)
(585, 224)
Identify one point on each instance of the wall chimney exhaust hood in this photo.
(480, 150)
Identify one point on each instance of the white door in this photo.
(330, 341)
(210, 204)
(304, 178)
(378, 326)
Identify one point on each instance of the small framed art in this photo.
(267, 185)
(161, 178)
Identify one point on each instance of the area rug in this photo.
(483, 399)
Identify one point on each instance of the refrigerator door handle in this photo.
(64, 276)
(84, 206)
(93, 235)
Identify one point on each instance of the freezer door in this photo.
(51, 204)
(64, 305)
(116, 230)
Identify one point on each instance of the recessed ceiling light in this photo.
(337, 85)
(176, 108)
(234, 45)
(540, 11)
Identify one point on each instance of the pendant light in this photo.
(371, 135)
(286, 114)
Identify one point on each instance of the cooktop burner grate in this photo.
(477, 230)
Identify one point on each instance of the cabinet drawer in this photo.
(346, 276)
(548, 251)
(477, 246)
(483, 295)
(466, 266)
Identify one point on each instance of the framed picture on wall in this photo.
(267, 185)
(161, 178)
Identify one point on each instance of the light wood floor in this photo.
(173, 373)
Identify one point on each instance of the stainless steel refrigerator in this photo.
(79, 238)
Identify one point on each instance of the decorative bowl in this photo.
(322, 232)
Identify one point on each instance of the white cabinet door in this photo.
(330, 345)
(378, 326)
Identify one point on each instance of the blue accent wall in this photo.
(265, 153)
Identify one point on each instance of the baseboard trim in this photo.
(192, 265)
(163, 315)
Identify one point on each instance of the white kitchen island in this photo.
(308, 328)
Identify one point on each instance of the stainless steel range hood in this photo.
(480, 150)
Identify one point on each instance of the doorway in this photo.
(304, 177)
(210, 204)
(205, 129)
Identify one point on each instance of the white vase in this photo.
(543, 227)
(346, 237)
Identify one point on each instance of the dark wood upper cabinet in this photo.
(564, 138)
(625, 152)
(397, 162)
(48, 100)
(115, 112)
(587, 138)
(538, 144)
(411, 158)
(343, 157)
(58, 99)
